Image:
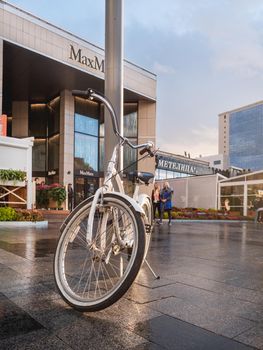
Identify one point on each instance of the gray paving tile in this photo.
(14, 320)
(253, 337)
(175, 334)
(88, 333)
(38, 340)
(210, 319)
(125, 313)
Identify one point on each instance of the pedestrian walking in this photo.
(166, 202)
(156, 201)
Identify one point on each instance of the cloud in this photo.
(163, 69)
(232, 29)
(202, 140)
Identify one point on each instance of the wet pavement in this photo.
(210, 295)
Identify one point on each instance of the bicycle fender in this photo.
(135, 205)
(142, 198)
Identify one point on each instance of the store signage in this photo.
(86, 173)
(179, 165)
(51, 172)
(3, 125)
(95, 63)
(174, 165)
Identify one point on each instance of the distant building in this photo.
(241, 136)
(216, 161)
(169, 166)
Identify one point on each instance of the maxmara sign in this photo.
(76, 54)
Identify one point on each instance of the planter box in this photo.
(13, 183)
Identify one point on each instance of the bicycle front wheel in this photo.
(93, 273)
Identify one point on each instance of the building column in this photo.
(146, 132)
(20, 119)
(113, 74)
(1, 74)
(66, 141)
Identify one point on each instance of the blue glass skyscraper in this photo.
(246, 137)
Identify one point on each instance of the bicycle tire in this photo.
(67, 260)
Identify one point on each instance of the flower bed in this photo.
(12, 214)
(204, 214)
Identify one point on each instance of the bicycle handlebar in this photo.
(90, 94)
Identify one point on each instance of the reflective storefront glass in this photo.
(130, 130)
(245, 196)
(246, 138)
(43, 123)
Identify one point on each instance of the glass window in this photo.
(39, 155)
(86, 152)
(54, 116)
(86, 125)
(53, 152)
(129, 157)
(38, 117)
(162, 174)
(101, 165)
(130, 125)
(245, 138)
(232, 190)
(87, 115)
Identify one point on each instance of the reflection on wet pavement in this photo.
(210, 295)
(31, 249)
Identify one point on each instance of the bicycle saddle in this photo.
(136, 176)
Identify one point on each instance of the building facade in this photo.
(241, 136)
(39, 66)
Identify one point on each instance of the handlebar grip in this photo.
(142, 151)
(81, 93)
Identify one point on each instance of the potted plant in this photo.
(57, 193)
(11, 177)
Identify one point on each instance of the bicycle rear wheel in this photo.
(93, 274)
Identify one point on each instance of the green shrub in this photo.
(12, 175)
(42, 197)
(8, 214)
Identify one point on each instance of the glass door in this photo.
(84, 188)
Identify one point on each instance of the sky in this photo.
(207, 55)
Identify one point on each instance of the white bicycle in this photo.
(105, 240)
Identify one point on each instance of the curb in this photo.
(38, 224)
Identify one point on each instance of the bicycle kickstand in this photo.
(150, 268)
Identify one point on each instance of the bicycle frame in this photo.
(108, 187)
(111, 169)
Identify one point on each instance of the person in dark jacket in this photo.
(70, 197)
(166, 202)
